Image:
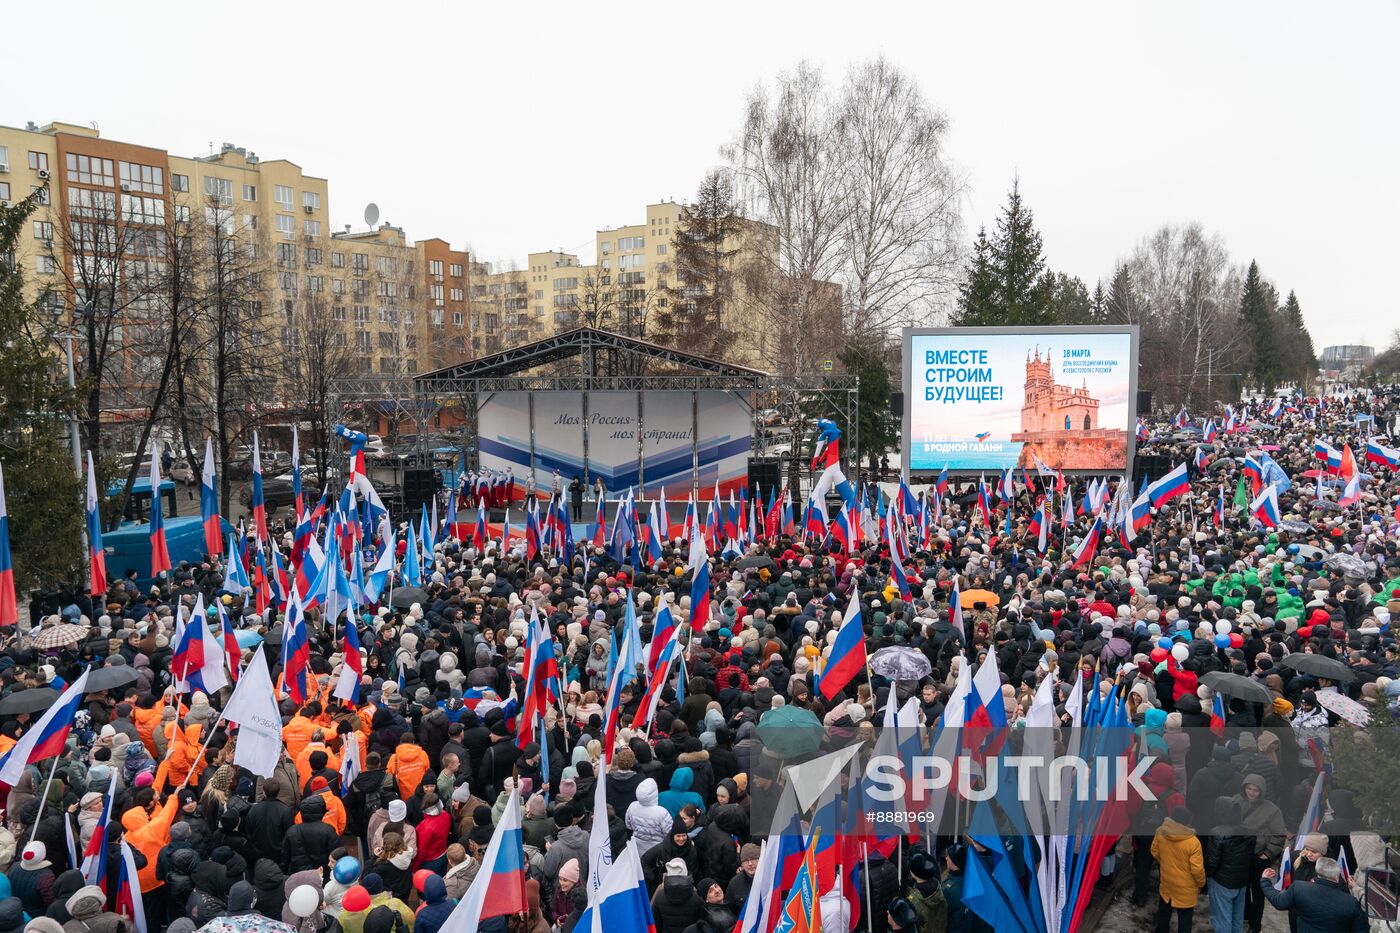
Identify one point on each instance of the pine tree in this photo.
(1121, 307)
(41, 489)
(1257, 303)
(1067, 299)
(1099, 306)
(1016, 256)
(698, 307)
(977, 305)
(1301, 355)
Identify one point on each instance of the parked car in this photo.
(277, 493)
(182, 472)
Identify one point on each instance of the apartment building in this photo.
(401, 305)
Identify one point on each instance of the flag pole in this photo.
(44, 797)
(202, 748)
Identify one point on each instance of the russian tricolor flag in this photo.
(347, 686)
(296, 653)
(160, 551)
(942, 486)
(97, 558)
(129, 891)
(45, 739)
(621, 901)
(847, 657)
(1174, 484)
(1217, 716)
(94, 865)
(1265, 506)
(258, 505)
(9, 606)
(198, 661)
(209, 504)
(1376, 452)
(1090, 545)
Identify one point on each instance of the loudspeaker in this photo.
(897, 404)
(419, 486)
(1144, 406)
(1153, 466)
(765, 473)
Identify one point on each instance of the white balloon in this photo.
(304, 901)
(1180, 652)
(1222, 627)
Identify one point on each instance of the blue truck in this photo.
(128, 547)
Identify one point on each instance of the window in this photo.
(5, 156)
(139, 210)
(315, 284)
(311, 227)
(337, 286)
(437, 317)
(435, 268)
(220, 188)
(388, 290)
(180, 182)
(386, 340)
(565, 284)
(149, 179)
(338, 313)
(313, 255)
(359, 263)
(218, 220)
(455, 270)
(605, 247)
(88, 170)
(337, 260)
(455, 294)
(282, 194)
(250, 221)
(287, 255)
(43, 230)
(287, 225)
(410, 342)
(4, 191)
(631, 262)
(632, 278)
(661, 250)
(250, 192)
(437, 293)
(457, 318)
(43, 193)
(362, 341)
(360, 288)
(44, 265)
(287, 308)
(386, 265)
(84, 202)
(362, 314)
(408, 318)
(630, 242)
(287, 281)
(39, 161)
(311, 199)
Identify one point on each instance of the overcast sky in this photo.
(1271, 123)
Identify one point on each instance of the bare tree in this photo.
(903, 197)
(788, 157)
(1185, 295)
(317, 358)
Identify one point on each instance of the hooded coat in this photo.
(649, 822)
(679, 794)
(1178, 854)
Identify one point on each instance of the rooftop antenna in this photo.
(371, 214)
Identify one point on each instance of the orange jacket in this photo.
(408, 764)
(184, 758)
(297, 734)
(335, 812)
(150, 837)
(146, 722)
(303, 762)
(6, 743)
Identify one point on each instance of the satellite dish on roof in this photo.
(371, 214)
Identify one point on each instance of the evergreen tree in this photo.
(1301, 355)
(879, 430)
(41, 489)
(1067, 299)
(977, 295)
(1099, 306)
(1121, 306)
(1257, 322)
(1016, 256)
(698, 309)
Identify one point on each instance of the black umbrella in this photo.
(28, 701)
(406, 596)
(106, 678)
(756, 562)
(1319, 665)
(1235, 685)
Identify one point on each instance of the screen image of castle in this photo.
(1060, 425)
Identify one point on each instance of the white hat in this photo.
(34, 857)
(398, 811)
(675, 868)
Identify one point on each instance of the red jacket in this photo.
(432, 838)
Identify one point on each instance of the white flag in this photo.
(254, 709)
(599, 844)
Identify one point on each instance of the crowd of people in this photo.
(393, 843)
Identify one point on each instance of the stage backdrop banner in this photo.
(666, 420)
(994, 398)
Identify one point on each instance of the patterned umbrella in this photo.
(900, 663)
(59, 636)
